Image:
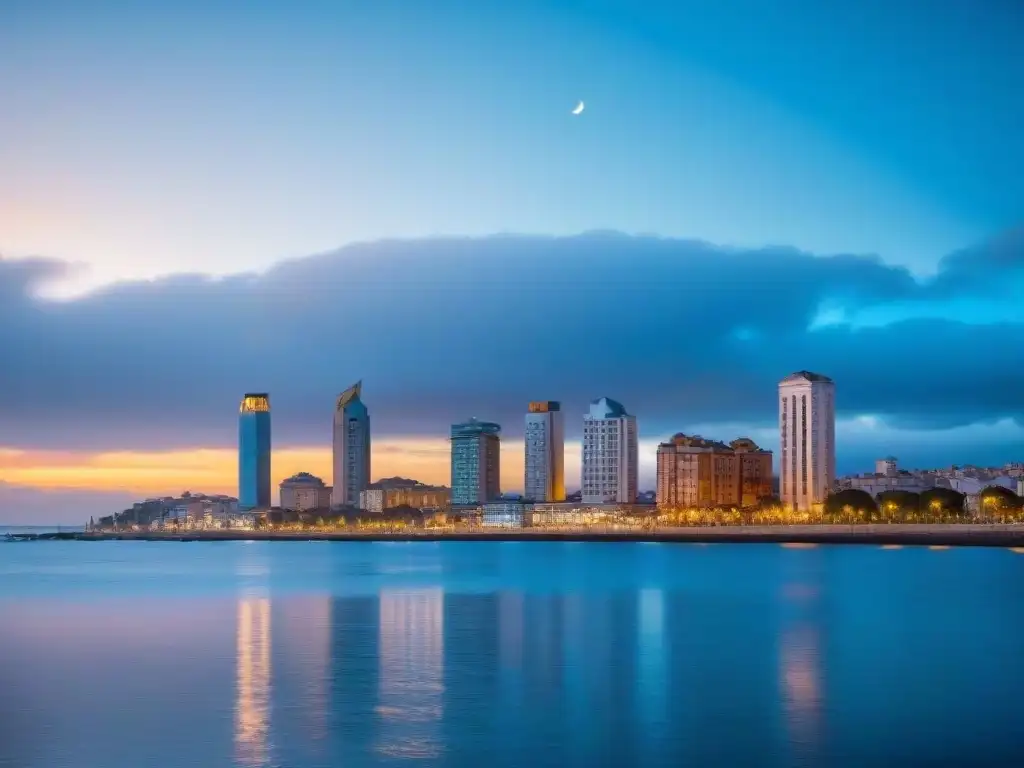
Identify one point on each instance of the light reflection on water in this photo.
(411, 658)
(540, 654)
(252, 710)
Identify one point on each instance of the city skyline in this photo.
(197, 201)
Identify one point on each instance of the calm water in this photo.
(129, 654)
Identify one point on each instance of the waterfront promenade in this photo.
(997, 535)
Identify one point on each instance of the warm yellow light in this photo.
(255, 404)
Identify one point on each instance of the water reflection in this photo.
(581, 655)
(252, 705)
(411, 687)
(651, 677)
(801, 683)
(302, 662)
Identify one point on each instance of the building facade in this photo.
(476, 462)
(351, 447)
(807, 427)
(545, 452)
(610, 462)
(696, 472)
(504, 513)
(254, 452)
(388, 494)
(304, 492)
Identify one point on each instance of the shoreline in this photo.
(952, 535)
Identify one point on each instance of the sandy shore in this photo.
(910, 535)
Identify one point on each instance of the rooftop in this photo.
(350, 395)
(681, 439)
(611, 409)
(807, 376)
(544, 406)
(475, 427)
(302, 478)
(255, 402)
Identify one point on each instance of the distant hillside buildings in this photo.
(968, 480)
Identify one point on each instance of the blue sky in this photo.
(842, 180)
(145, 139)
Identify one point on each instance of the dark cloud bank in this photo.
(682, 332)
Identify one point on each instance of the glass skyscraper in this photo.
(254, 452)
(476, 462)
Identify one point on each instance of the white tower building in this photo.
(610, 463)
(351, 458)
(545, 452)
(807, 428)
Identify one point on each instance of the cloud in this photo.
(441, 329)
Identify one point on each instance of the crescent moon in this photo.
(579, 108)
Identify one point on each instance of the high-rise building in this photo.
(610, 463)
(476, 462)
(807, 426)
(351, 447)
(254, 452)
(695, 472)
(545, 452)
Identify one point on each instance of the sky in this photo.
(207, 198)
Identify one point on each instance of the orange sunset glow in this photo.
(215, 470)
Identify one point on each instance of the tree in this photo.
(997, 500)
(939, 502)
(851, 502)
(898, 503)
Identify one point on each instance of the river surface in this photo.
(299, 654)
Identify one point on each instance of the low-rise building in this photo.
(504, 513)
(400, 492)
(304, 492)
(696, 472)
(581, 514)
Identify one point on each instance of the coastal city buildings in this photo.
(807, 427)
(303, 492)
(504, 513)
(696, 472)
(254, 452)
(968, 480)
(476, 462)
(544, 477)
(399, 492)
(351, 458)
(692, 472)
(610, 460)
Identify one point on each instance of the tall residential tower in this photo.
(476, 462)
(351, 447)
(254, 451)
(545, 452)
(610, 462)
(807, 427)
